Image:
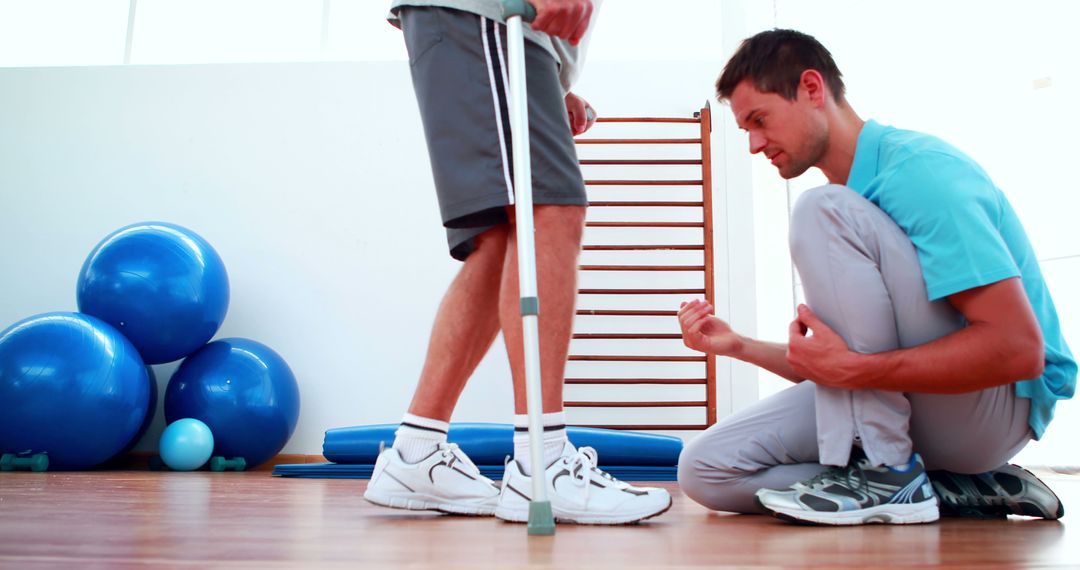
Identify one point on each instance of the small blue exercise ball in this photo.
(72, 387)
(244, 391)
(186, 444)
(161, 284)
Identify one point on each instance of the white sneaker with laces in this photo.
(580, 493)
(445, 481)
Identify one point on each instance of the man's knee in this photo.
(560, 216)
(706, 467)
(815, 213)
(490, 246)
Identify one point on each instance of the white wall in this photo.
(310, 179)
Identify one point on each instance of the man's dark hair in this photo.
(775, 60)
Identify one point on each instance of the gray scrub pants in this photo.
(862, 277)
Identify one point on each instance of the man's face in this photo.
(793, 135)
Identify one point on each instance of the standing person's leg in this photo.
(558, 244)
(465, 328)
(577, 490)
(466, 147)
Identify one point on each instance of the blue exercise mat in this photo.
(489, 444)
(495, 472)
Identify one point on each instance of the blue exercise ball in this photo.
(186, 444)
(161, 284)
(151, 411)
(244, 391)
(72, 387)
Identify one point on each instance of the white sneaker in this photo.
(445, 481)
(580, 493)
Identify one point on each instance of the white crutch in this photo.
(541, 520)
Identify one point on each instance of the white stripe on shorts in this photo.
(495, 102)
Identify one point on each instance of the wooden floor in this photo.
(123, 519)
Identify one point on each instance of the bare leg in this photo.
(465, 327)
(559, 231)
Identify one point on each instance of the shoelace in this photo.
(844, 475)
(581, 466)
(450, 453)
(583, 471)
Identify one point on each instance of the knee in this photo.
(490, 246)
(704, 474)
(820, 201)
(566, 223)
(814, 213)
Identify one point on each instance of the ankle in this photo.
(554, 440)
(418, 437)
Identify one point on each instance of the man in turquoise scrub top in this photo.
(928, 352)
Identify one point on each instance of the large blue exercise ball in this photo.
(151, 411)
(161, 284)
(244, 391)
(72, 387)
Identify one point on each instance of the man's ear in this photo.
(812, 85)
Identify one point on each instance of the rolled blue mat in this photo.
(489, 444)
(363, 471)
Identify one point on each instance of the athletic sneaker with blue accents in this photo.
(1008, 490)
(860, 493)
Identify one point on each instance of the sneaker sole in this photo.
(518, 516)
(426, 504)
(917, 513)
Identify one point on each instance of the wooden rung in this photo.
(642, 268)
(647, 120)
(641, 291)
(637, 141)
(612, 358)
(635, 404)
(641, 427)
(644, 224)
(625, 313)
(643, 183)
(627, 336)
(643, 247)
(632, 162)
(588, 381)
(629, 204)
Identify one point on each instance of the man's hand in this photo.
(705, 333)
(578, 110)
(822, 355)
(567, 19)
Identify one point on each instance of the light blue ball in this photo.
(186, 444)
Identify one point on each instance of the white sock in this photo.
(554, 439)
(418, 437)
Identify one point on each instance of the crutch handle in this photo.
(521, 8)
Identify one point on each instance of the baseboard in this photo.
(141, 460)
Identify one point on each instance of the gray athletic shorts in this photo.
(459, 73)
